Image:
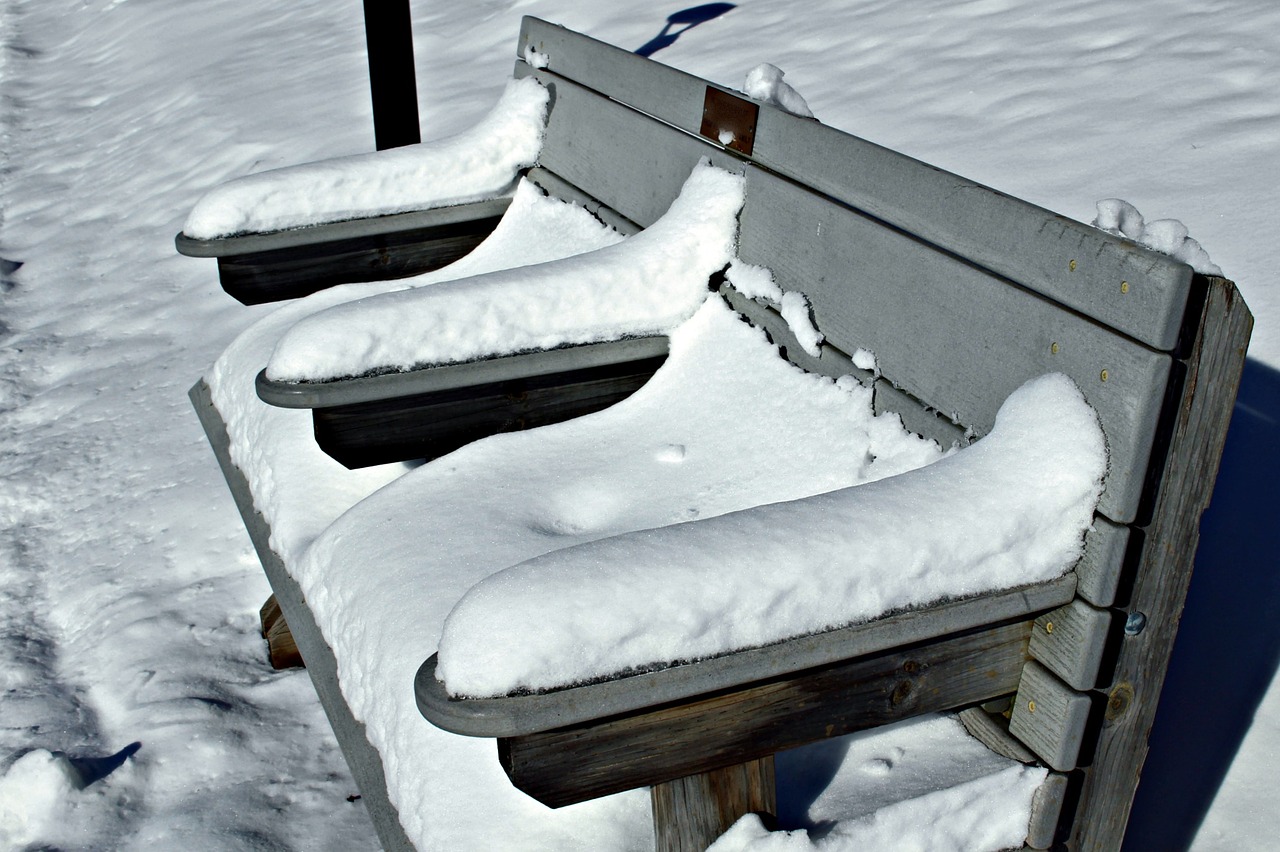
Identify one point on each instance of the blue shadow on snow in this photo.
(686, 19)
(1228, 645)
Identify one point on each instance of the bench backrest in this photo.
(961, 292)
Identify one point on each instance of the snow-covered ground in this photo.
(128, 591)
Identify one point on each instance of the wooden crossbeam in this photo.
(580, 762)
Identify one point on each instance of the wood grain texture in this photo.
(282, 648)
(593, 759)
(992, 730)
(1050, 717)
(690, 813)
(630, 162)
(1102, 564)
(1069, 642)
(517, 715)
(952, 336)
(1046, 810)
(1202, 415)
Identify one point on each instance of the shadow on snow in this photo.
(686, 19)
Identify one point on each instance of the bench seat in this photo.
(284, 233)
(664, 449)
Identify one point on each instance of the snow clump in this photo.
(1167, 236)
(479, 163)
(756, 282)
(765, 83)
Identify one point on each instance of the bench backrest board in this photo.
(962, 293)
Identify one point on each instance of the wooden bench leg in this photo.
(282, 651)
(690, 813)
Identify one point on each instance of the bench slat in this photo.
(586, 761)
(924, 329)
(1068, 261)
(585, 134)
(524, 714)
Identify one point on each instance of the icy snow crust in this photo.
(479, 163)
(648, 284)
(1009, 510)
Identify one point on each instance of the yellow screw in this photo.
(1072, 266)
(1048, 627)
(1105, 375)
(1054, 349)
(1124, 286)
(1031, 707)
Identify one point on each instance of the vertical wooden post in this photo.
(690, 813)
(388, 33)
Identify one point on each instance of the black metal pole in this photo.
(388, 34)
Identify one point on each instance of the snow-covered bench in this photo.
(937, 295)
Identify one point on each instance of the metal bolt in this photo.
(1048, 627)
(1134, 624)
(1031, 707)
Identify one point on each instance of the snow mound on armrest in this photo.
(1007, 511)
(647, 284)
(481, 162)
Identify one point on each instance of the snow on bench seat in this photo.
(724, 425)
(480, 163)
(1007, 511)
(643, 286)
(295, 485)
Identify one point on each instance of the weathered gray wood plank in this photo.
(1069, 642)
(993, 732)
(1164, 569)
(954, 337)
(373, 226)
(454, 376)
(1050, 717)
(581, 762)
(558, 187)
(428, 425)
(690, 813)
(626, 160)
(1064, 260)
(1046, 811)
(526, 714)
(1102, 565)
(362, 757)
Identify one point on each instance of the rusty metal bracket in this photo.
(729, 120)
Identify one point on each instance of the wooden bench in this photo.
(963, 294)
